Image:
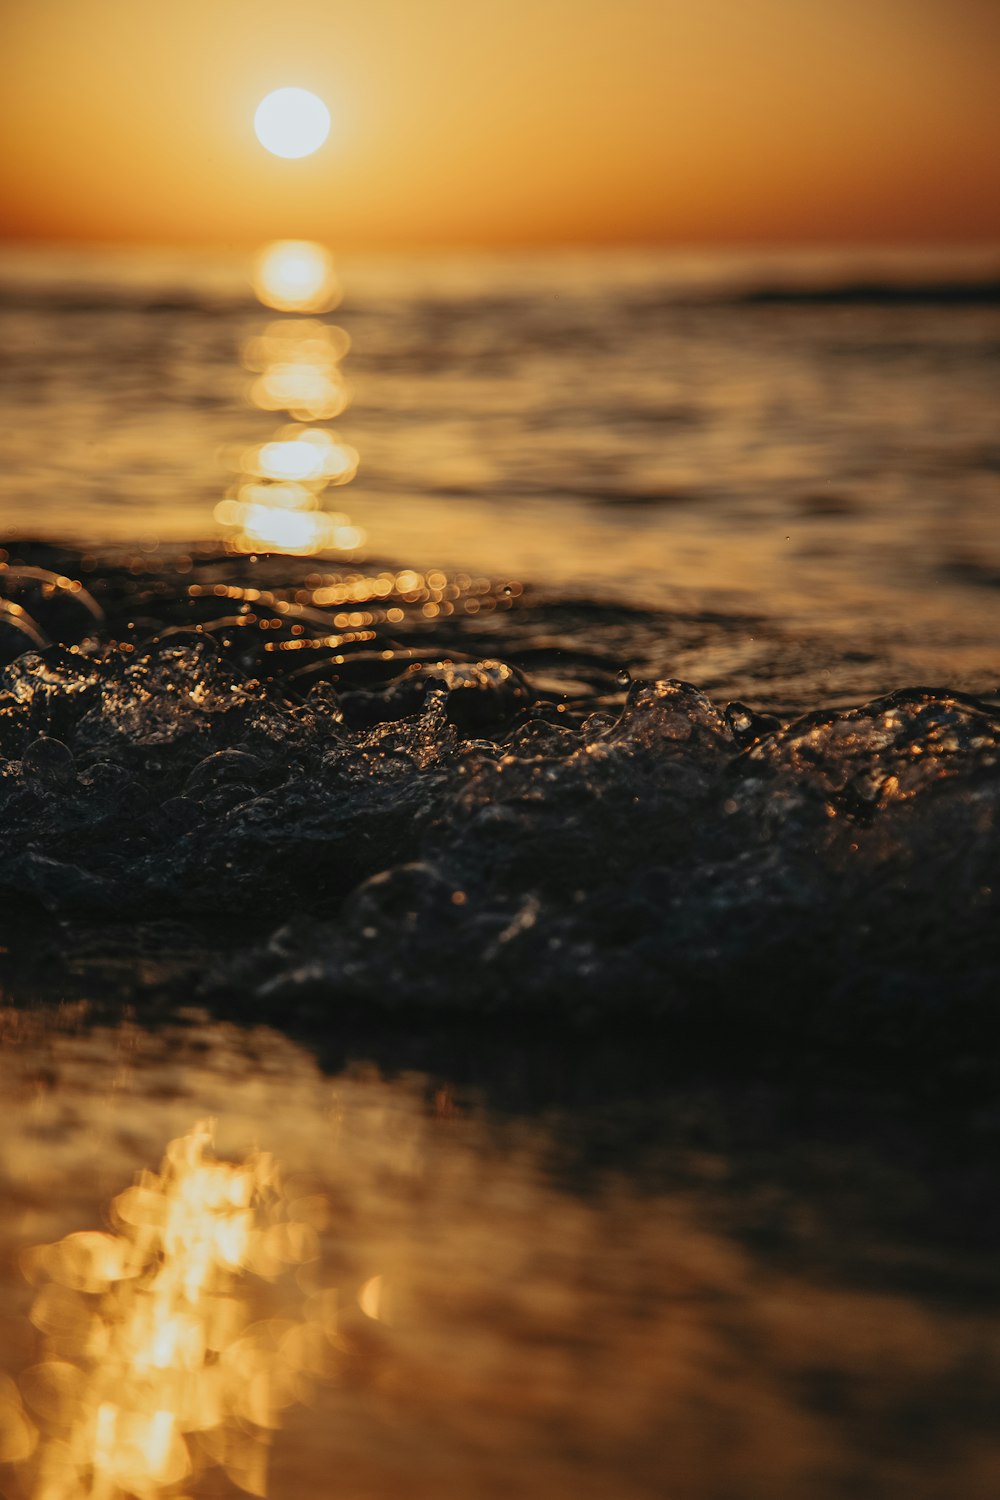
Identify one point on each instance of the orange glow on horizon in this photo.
(306, 454)
(733, 121)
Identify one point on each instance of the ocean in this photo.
(500, 812)
(814, 432)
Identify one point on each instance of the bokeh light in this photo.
(296, 276)
(276, 503)
(153, 1366)
(311, 455)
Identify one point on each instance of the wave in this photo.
(59, 299)
(404, 815)
(69, 301)
(880, 293)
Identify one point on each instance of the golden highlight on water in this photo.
(276, 503)
(156, 1360)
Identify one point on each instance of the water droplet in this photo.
(623, 677)
(48, 763)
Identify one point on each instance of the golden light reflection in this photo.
(285, 494)
(311, 391)
(296, 276)
(18, 1435)
(300, 369)
(153, 1366)
(276, 504)
(304, 454)
(289, 459)
(266, 528)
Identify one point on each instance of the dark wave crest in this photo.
(477, 815)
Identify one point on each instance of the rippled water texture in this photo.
(627, 424)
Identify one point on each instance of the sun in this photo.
(291, 122)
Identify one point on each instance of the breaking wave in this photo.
(399, 791)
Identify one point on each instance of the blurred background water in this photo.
(819, 429)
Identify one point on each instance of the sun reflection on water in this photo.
(276, 504)
(277, 527)
(305, 454)
(300, 369)
(296, 276)
(154, 1364)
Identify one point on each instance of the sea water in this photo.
(816, 431)
(575, 904)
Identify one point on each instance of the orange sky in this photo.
(473, 121)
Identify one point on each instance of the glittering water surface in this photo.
(629, 424)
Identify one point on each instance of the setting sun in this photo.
(291, 122)
(650, 121)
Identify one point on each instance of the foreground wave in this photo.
(398, 791)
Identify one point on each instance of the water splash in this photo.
(433, 791)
